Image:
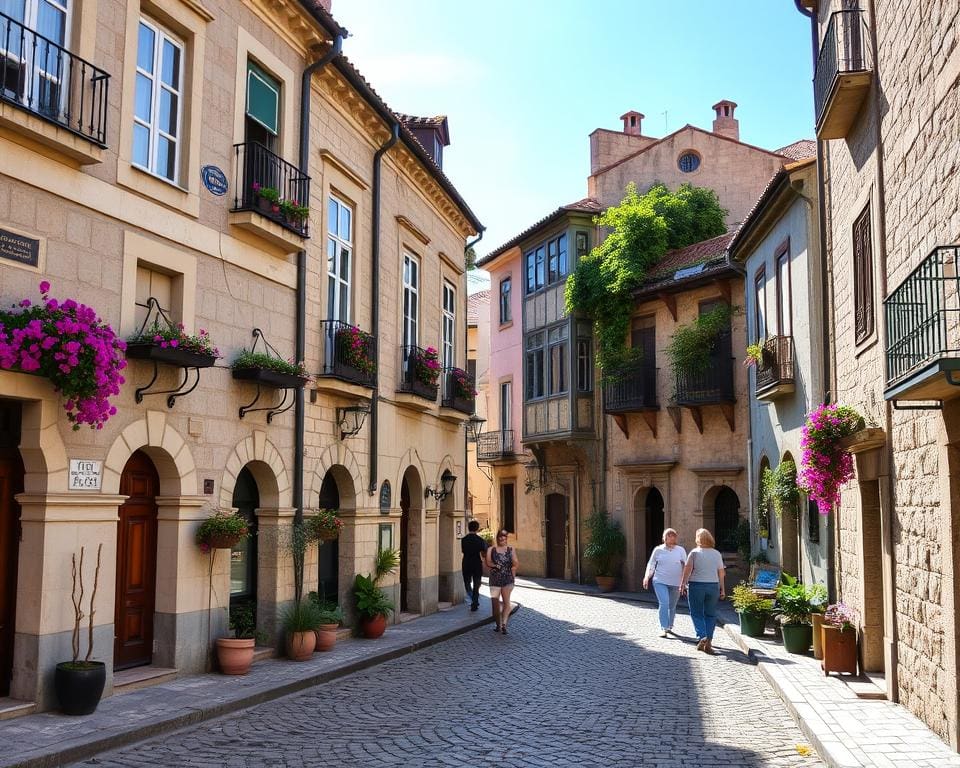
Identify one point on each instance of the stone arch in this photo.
(265, 462)
(411, 459)
(412, 544)
(42, 450)
(720, 501)
(168, 451)
(342, 461)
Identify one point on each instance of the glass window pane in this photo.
(345, 264)
(332, 216)
(145, 45)
(563, 255)
(332, 298)
(51, 23)
(166, 158)
(141, 145)
(345, 223)
(14, 9)
(143, 100)
(344, 303)
(167, 119)
(170, 73)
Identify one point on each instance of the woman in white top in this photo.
(666, 570)
(703, 576)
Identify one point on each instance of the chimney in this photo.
(631, 123)
(725, 123)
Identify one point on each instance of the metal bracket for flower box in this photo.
(273, 379)
(180, 358)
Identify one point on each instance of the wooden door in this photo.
(136, 564)
(243, 555)
(11, 483)
(653, 509)
(556, 535)
(404, 541)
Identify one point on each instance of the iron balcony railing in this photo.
(776, 363)
(711, 384)
(268, 184)
(631, 389)
(843, 51)
(42, 77)
(923, 315)
(458, 390)
(348, 353)
(495, 445)
(417, 371)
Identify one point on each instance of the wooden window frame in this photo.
(506, 289)
(759, 289)
(863, 300)
(783, 253)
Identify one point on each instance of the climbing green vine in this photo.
(691, 346)
(778, 488)
(641, 229)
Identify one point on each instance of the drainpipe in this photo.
(375, 299)
(466, 351)
(299, 407)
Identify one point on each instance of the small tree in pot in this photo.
(752, 608)
(793, 600)
(373, 606)
(606, 550)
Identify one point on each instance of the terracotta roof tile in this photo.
(799, 150)
(698, 253)
(476, 305)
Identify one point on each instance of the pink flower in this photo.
(44, 287)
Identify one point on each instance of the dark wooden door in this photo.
(404, 541)
(654, 518)
(726, 518)
(136, 564)
(556, 535)
(328, 560)
(243, 556)
(11, 483)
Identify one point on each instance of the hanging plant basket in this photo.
(331, 534)
(223, 541)
(183, 358)
(270, 378)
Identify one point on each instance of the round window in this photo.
(689, 162)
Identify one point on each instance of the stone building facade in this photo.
(150, 195)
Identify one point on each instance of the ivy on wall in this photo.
(691, 347)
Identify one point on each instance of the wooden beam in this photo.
(651, 418)
(671, 301)
(729, 413)
(620, 419)
(697, 415)
(674, 413)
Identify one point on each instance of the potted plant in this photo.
(839, 639)
(330, 617)
(166, 342)
(268, 199)
(355, 357)
(793, 601)
(300, 621)
(461, 393)
(222, 530)
(818, 602)
(692, 349)
(824, 464)
(423, 371)
(754, 355)
(294, 213)
(373, 606)
(67, 343)
(235, 654)
(79, 684)
(752, 608)
(323, 526)
(606, 549)
(268, 369)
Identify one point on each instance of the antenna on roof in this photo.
(665, 131)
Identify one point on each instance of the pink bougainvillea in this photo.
(68, 344)
(427, 366)
(824, 465)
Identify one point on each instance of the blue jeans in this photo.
(703, 597)
(667, 597)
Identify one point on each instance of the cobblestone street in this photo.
(578, 681)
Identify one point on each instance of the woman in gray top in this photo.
(703, 583)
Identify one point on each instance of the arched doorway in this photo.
(556, 514)
(328, 568)
(136, 563)
(243, 557)
(726, 519)
(653, 521)
(790, 533)
(11, 483)
(411, 540)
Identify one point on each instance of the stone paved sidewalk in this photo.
(51, 739)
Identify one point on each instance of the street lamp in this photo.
(447, 481)
(350, 420)
(474, 427)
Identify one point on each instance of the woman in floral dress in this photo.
(502, 562)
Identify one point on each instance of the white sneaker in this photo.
(663, 633)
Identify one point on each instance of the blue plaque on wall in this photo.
(214, 180)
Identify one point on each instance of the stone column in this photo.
(430, 565)
(54, 528)
(451, 587)
(274, 568)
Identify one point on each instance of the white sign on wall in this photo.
(85, 475)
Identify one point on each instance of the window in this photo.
(540, 266)
(39, 87)
(784, 294)
(507, 510)
(689, 162)
(584, 366)
(760, 305)
(506, 403)
(531, 273)
(535, 385)
(157, 285)
(339, 258)
(557, 349)
(557, 259)
(157, 106)
(506, 314)
(535, 261)
(411, 300)
(813, 522)
(448, 348)
(263, 102)
(583, 245)
(863, 276)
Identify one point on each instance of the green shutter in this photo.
(263, 98)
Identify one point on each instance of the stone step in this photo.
(10, 708)
(127, 680)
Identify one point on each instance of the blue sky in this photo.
(524, 82)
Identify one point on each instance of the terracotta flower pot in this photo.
(326, 637)
(606, 583)
(373, 628)
(817, 621)
(235, 656)
(300, 645)
(223, 541)
(839, 650)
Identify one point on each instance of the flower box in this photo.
(839, 649)
(223, 540)
(427, 391)
(270, 378)
(170, 355)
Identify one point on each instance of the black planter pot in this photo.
(169, 355)
(270, 378)
(79, 686)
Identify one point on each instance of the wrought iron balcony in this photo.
(269, 185)
(922, 318)
(631, 390)
(844, 73)
(458, 390)
(775, 369)
(713, 384)
(347, 353)
(44, 78)
(493, 446)
(419, 372)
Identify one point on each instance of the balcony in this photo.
(348, 359)
(458, 391)
(53, 96)
(495, 446)
(922, 317)
(775, 369)
(271, 196)
(419, 371)
(631, 390)
(843, 76)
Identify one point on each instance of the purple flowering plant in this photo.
(426, 366)
(841, 616)
(67, 343)
(825, 466)
(357, 349)
(463, 384)
(168, 335)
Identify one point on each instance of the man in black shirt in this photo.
(473, 548)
